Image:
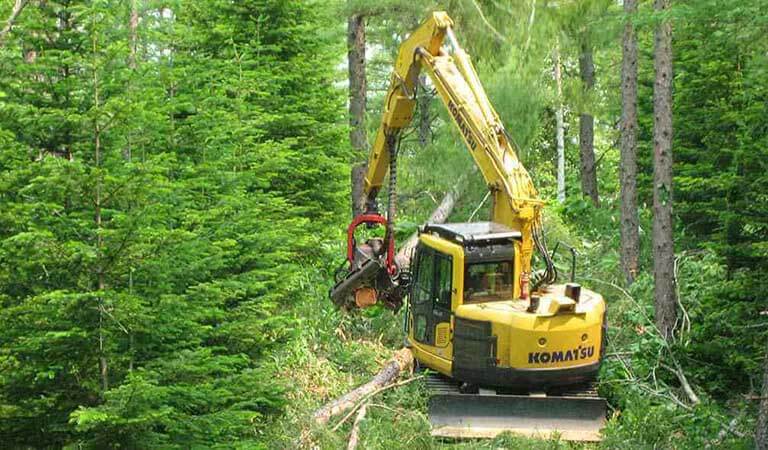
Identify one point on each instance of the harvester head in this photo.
(369, 275)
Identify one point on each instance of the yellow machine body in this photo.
(531, 345)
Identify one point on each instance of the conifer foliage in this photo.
(154, 216)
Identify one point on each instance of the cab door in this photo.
(431, 296)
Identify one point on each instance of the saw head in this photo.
(370, 274)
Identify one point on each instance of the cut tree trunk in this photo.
(357, 106)
(587, 129)
(630, 238)
(439, 215)
(402, 360)
(559, 126)
(663, 245)
(761, 436)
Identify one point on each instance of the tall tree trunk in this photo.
(425, 119)
(357, 98)
(18, 6)
(133, 25)
(630, 239)
(559, 126)
(761, 436)
(100, 279)
(663, 245)
(587, 128)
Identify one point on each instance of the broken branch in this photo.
(354, 436)
(402, 360)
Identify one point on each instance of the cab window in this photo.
(422, 289)
(444, 269)
(488, 282)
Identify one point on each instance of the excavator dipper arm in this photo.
(516, 202)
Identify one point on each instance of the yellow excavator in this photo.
(513, 350)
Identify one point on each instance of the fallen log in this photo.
(439, 215)
(402, 360)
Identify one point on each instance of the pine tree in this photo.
(143, 290)
(663, 240)
(630, 239)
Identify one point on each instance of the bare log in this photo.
(439, 215)
(401, 361)
(354, 436)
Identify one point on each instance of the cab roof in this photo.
(473, 232)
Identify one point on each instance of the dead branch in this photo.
(402, 360)
(683, 382)
(495, 32)
(685, 326)
(482, 202)
(354, 436)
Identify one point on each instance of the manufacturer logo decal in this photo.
(463, 126)
(561, 355)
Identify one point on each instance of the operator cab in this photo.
(489, 258)
(459, 264)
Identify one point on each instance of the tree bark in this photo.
(402, 360)
(663, 245)
(357, 105)
(587, 128)
(630, 238)
(761, 436)
(559, 126)
(425, 119)
(18, 6)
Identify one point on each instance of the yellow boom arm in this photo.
(515, 200)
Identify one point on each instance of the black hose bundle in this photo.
(549, 276)
(393, 145)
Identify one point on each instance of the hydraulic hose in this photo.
(550, 272)
(393, 144)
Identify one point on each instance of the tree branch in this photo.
(18, 6)
(402, 359)
(354, 436)
(495, 32)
